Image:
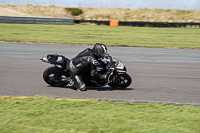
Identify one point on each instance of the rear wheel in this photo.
(121, 81)
(55, 77)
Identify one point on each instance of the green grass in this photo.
(91, 34)
(45, 115)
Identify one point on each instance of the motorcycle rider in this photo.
(86, 62)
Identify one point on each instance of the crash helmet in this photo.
(99, 50)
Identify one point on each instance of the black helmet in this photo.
(99, 50)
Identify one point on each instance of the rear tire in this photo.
(53, 76)
(121, 81)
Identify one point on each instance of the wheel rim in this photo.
(121, 81)
(56, 79)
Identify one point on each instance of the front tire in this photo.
(53, 76)
(121, 81)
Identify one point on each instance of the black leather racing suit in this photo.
(84, 62)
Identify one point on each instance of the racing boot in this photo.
(78, 83)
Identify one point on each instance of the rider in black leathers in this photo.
(86, 62)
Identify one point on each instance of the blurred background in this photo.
(132, 4)
(186, 11)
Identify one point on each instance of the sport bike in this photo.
(58, 75)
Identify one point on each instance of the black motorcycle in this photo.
(58, 75)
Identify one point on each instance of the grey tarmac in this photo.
(158, 74)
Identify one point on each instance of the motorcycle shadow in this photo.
(100, 88)
(107, 89)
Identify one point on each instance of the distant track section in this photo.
(36, 20)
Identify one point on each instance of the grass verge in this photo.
(57, 116)
(90, 34)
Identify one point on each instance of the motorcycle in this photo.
(58, 75)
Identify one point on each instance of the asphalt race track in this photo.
(158, 74)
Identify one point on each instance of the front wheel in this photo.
(121, 81)
(55, 77)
